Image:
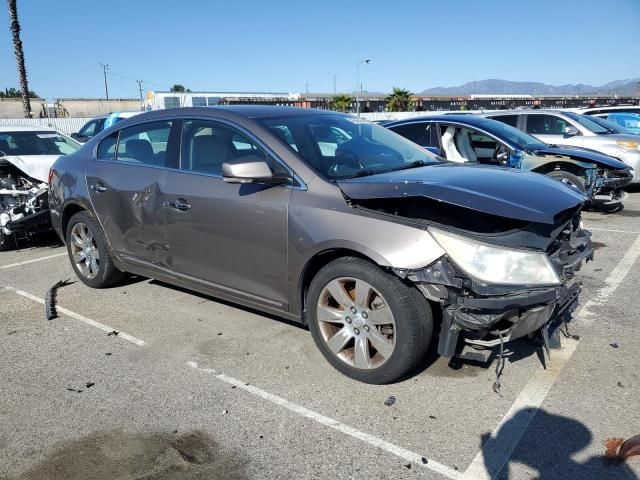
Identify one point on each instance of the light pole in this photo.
(358, 86)
(104, 71)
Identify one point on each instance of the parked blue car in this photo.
(629, 121)
(473, 139)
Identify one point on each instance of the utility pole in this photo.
(104, 72)
(306, 86)
(358, 84)
(334, 84)
(139, 82)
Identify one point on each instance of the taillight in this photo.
(51, 174)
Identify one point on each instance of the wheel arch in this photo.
(567, 166)
(315, 264)
(68, 211)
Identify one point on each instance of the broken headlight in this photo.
(499, 265)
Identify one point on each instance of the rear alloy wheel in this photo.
(367, 322)
(89, 254)
(569, 179)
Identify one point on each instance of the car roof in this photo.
(265, 111)
(25, 128)
(468, 119)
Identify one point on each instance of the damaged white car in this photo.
(26, 155)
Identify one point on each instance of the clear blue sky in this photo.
(279, 45)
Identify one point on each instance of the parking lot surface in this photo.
(191, 387)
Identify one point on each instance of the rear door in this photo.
(420, 133)
(232, 237)
(124, 182)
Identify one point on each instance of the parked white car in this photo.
(26, 156)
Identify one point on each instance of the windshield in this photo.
(340, 146)
(587, 123)
(36, 143)
(511, 134)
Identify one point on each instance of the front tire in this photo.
(569, 179)
(366, 322)
(89, 254)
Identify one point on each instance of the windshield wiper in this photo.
(417, 163)
(363, 173)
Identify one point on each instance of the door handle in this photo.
(178, 205)
(99, 188)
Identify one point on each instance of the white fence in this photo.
(65, 125)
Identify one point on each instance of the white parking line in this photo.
(491, 460)
(26, 262)
(611, 230)
(396, 450)
(77, 316)
(403, 453)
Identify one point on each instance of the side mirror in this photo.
(570, 131)
(74, 135)
(250, 169)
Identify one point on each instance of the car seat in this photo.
(463, 144)
(140, 150)
(208, 153)
(449, 146)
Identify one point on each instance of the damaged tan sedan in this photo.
(372, 241)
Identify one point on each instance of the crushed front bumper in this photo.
(484, 316)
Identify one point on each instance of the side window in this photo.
(508, 119)
(416, 132)
(145, 143)
(207, 145)
(89, 130)
(545, 125)
(107, 147)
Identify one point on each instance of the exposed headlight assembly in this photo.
(497, 265)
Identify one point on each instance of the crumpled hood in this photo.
(577, 153)
(497, 191)
(34, 166)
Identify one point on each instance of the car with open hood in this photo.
(476, 140)
(370, 240)
(570, 129)
(26, 156)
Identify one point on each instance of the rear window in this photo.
(508, 119)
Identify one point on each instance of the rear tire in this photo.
(89, 254)
(377, 330)
(569, 179)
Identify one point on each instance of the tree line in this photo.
(398, 101)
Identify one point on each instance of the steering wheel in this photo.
(345, 159)
(500, 155)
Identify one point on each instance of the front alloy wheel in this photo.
(367, 322)
(356, 323)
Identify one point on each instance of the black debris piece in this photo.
(261, 436)
(408, 466)
(175, 431)
(432, 417)
(108, 354)
(11, 332)
(219, 333)
(124, 293)
(390, 401)
(74, 390)
(233, 386)
(50, 299)
(89, 384)
(455, 468)
(620, 385)
(424, 460)
(614, 345)
(286, 367)
(394, 418)
(113, 332)
(500, 364)
(225, 411)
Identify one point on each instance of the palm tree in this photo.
(341, 102)
(399, 100)
(17, 46)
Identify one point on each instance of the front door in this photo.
(551, 129)
(231, 236)
(124, 184)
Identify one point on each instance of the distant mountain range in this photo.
(628, 87)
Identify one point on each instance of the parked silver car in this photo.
(557, 127)
(329, 220)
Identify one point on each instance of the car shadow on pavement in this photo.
(548, 447)
(44, 240)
